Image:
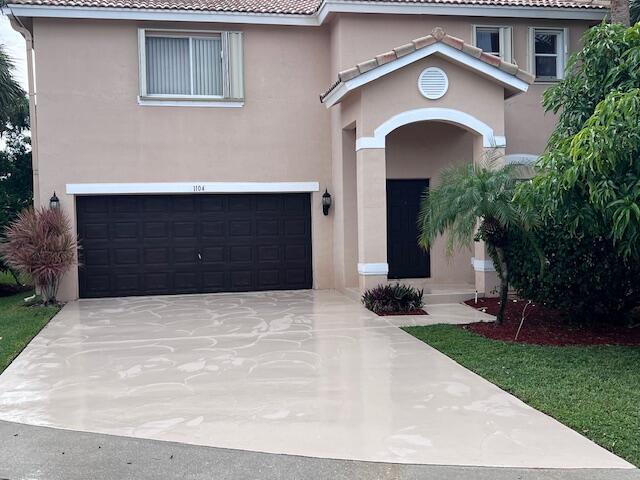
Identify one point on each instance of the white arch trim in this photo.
(447, 115)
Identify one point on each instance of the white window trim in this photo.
(501, 30)
(170, 99)
(562, 55)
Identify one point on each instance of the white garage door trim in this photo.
(191, 187)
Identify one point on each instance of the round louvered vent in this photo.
(433, 83)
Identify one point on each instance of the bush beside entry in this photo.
(393, 299)
(39, 244)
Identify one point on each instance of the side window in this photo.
(187, 66)
(494, 40)
(547, 53)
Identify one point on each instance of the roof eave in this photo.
(328, 7)
(512, 84)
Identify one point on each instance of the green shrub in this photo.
(584, 274)
(393, 299)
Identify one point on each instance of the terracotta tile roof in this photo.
(437, 35)
(290, 7)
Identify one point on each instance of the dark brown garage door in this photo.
(168, 244)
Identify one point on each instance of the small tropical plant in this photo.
(393, 299)
(39, 244)
(475, 201)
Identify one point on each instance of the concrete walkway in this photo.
(40, 453)
(301, 373)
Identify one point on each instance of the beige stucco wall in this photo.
(398, 92)
(362, 37)
(422, 150)
(91, 128)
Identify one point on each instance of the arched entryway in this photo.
(416, 155)
(393, 135)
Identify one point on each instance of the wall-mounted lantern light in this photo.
(54, 202)
(326, 202)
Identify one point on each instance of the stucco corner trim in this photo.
(447, 115)
(190, 187)
(482, 265)
(366, 269)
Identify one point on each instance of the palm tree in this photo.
(10, 91)
(472, 195)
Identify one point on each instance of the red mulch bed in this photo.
(546, 326)
(394, 314)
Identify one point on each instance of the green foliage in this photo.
(469, 194)
(583, 274)
(10, 90)
(19, 324)
(393, 299)
(476, 194)
(589, 177)
(16, 183)
(594, 390)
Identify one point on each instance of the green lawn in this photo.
(594, 390)
(19, 324)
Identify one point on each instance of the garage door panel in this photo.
(125, 205)
(155, 229)
(123, 230)
(269, 253)
(215, 228)
(96, 257)
(214, 254)
(239, 228)
(155, 204)
(183, 204)
(163, 244)
(268, 279)
(127, 282)
(184, 229)
(214, 281)
(265, 228)
(157, 282)
(242, 280)
(126, 256)
(213, 203)
(241, 254)
(96, 231)
(156, 256)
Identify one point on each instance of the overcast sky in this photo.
(14, 45)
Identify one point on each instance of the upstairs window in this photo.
(548, 53)
(494, 41)
(184, 65)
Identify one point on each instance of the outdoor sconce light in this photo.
(54, 202)
(326, 202)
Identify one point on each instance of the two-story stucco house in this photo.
(191, 141)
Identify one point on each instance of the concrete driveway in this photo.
(307, 373)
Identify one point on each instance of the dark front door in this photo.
(405, 258)
(168, 244)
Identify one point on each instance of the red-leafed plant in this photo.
(39, 244)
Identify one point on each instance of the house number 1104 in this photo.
(198, 188)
